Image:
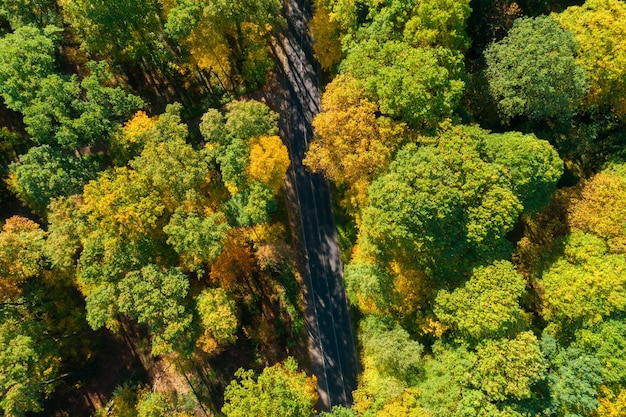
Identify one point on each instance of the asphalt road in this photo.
(331, 338)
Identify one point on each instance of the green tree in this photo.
(573, 379)
(156, 404)
(389, 349)
(198, 239)
(339, 411)
(156, 297)
(232, 139)
(486, 306)
(369, 286)
(45, 173)
(439, 23)
(445, 205)
(508, 368)
(605, 342)
(488, 382)
(421, 86)
(70, 113)
(58, 110)
(218, 314)
(26, 58)
(533, 166)
(251, 206)
(391, 361)
(171, 169)
(63, 242)
(378, 21)
(444, 390)
(584, 284)
(182, 17)
(279, 390)
(40, 13)
(125, 32)
(532, 71)
(25, 367)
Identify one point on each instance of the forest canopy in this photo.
(149, 258)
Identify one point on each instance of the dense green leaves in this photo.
(247, 129)
(573, 379)
(126, 32)
(452, 201)
(40, 13)
(278, 390)
(532, 71)
(26, 57)
(605, 342)
(508, 368)
(156, 297)
(45, 173)
(438, 23)
(459, 261)
(218, 316)
(58, 110)
(198, 239)
(486, 306)
(390, 350)
(418, 85)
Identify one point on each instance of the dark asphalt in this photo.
(331, 339)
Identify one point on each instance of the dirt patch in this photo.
(90, 387)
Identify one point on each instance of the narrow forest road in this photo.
(297, 99)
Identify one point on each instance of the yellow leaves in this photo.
(412, 287)
(118, 203)
(21, 254)
(235, 264)
(599, 29)
(265, 233)
(128, 142)
(611, 405)
(326, 37)
(219, 320)
(137, 126)
(601, 209)
(209, 49)
(433, 327)
(405, 405)
(351, 145)
(269, 161)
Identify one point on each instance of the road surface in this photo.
(331, 339)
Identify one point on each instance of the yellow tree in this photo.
(610, 404)
(600, 208)
(584, 285)
(134, 134)
(352, 144)
(326, 36)
(269, 161)
(599, 29)
(21, 254)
